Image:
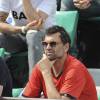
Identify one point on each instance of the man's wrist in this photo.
(46, 73)
(24, 29)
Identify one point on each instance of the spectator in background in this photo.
(86, 8)
(88, 30)
(58, 74)
(14, 38)
(5, 80)
(34, 10)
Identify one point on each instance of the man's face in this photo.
(53, 46)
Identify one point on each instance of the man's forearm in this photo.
(9, 29)
(32, 13)
(29, 10)
(52, 92)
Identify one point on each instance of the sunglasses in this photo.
(52, 44)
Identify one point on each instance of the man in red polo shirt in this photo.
(59, 75)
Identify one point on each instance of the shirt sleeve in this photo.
(48, 6)
(5, 5)
(74, 83)
(33, 87)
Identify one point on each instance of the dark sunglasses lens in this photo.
(44, 44)
(53, 44)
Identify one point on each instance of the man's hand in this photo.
(45, 64)
(34, 25)
(82, 4)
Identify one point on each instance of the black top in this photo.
(5, 79)
(92, 11)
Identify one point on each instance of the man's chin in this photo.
(51, 58)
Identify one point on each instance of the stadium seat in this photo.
(69, 20)
(98, 91)
(16, 92)
(98, 97)
(95, 73)
(2, 52)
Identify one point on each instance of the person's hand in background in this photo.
(34, 25)
(45, 64)
(82, 4)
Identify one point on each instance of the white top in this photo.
(15, 7)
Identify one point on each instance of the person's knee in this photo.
(32, 37)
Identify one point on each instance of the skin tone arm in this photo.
(9, 29)
(31, 13)
(6, 28)
(1, 88)
(52, 93)
(82, 4)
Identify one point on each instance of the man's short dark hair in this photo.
(63, 33)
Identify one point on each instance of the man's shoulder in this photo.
(74, 62)
(36, 68)
(72, 59)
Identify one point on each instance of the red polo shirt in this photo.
(74, 80)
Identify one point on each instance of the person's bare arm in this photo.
(82, 4)
(7, 28)
(45, 68)
(31, 12)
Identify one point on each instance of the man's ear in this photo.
(66, 47)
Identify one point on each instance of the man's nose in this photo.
(48, 46)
